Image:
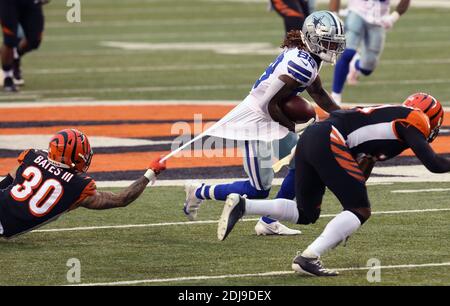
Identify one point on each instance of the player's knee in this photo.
(34, 44)
(253, 193)
(308, 217)
(363, 213)
(10, 41)
(368, 63)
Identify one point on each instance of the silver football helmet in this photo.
(323, 34)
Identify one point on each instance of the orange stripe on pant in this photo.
(7, 31)
(340, 152)
(285, 10)
(344, 158)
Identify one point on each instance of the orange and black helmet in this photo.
(71, 147)
(431, 107)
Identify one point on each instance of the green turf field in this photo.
(73, 63)
(174, 251)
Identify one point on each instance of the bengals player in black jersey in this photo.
(339, 153)
(47, 184)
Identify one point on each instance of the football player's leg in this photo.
(280, 209)
(257, 164)
(293, 13)
(257, 157)
(18, 80)
(32, 21)
(9, 20)
(354, 32)
(342, 176)
(371, 51)
(285, 146)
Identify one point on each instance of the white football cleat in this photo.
(191, 204)
(353, 73)
(337, 98)
(275, 228)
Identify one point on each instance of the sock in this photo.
(280, 209)
(16, 54)
(268, 220)
(287, 189)
(341, 70)
(8, 73)
(202, 192)
(220, 192)
(336, 231)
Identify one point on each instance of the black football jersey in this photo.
(40, 193)
(371, 130)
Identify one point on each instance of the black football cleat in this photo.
(311, 266)
(8, 85)
(232, 211)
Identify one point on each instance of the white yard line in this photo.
(420, 190)
(151, 68)
(213, 87)
(71, 102)
(126, 226)
(132, 69)
(64, 103)
(180, 183)
(262, 274)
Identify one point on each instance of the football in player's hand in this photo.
(298, 109)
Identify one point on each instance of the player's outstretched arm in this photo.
(388, 21)
(107, 200)
(422, 149)
(321, 96)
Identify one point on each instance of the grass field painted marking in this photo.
(180, 183)
(213, 35)
(65, 102)
(132, 69)
(215, 87)
(69, 102)
(125, 226)
(261, 48)
(420, 190)
(262, 274)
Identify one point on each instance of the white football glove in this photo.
(300, 127)
(387, 21)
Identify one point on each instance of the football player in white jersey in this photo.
(365, 29)
(296, 69)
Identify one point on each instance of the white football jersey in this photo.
(296, 63)
(370, 10)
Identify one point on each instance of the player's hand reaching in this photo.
(387, 21)
(157, 165)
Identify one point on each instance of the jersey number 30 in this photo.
(44, 199)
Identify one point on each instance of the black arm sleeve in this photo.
(8, 180)
(420, 146)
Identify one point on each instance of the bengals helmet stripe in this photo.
(74, 149)
(431, 107)
(71, 148)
